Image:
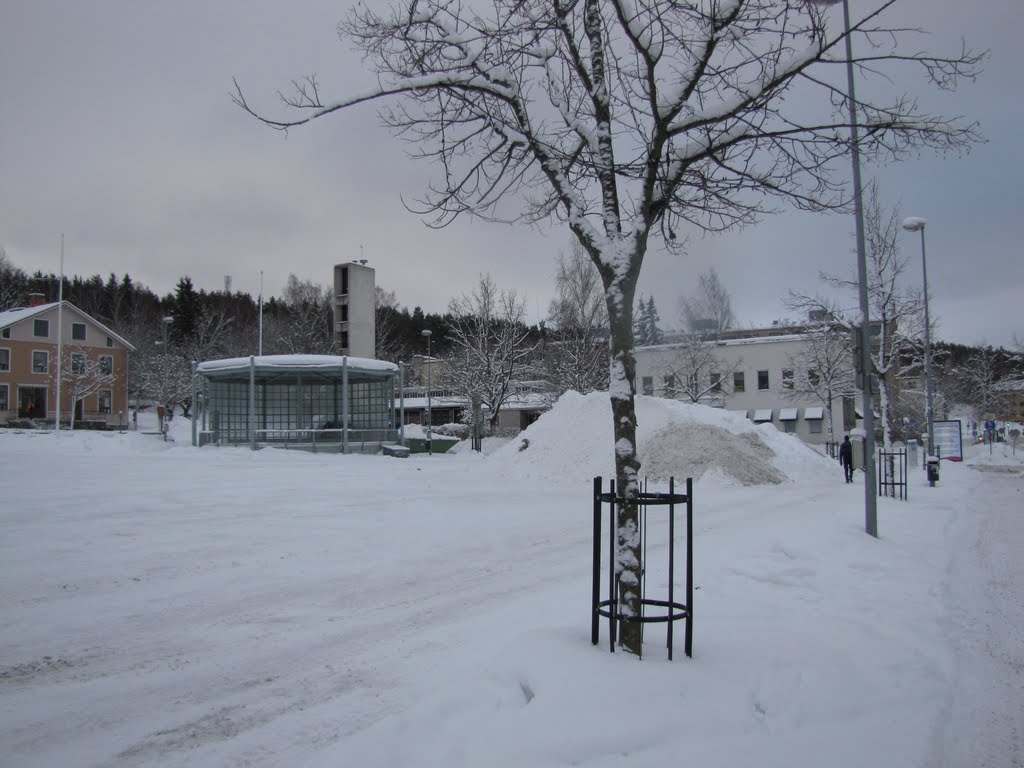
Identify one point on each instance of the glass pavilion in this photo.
(315, 402)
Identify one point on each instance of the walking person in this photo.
(846, 458)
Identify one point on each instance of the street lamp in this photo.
(430, 444)
(870, 506)
(165, 324)
(915, 224)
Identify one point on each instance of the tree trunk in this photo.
(622, 389)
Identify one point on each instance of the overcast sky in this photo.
(117, 129)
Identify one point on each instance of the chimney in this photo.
(36, 299)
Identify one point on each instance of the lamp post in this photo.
(915, 224)
(430, 444)
(870, 506)
(165, 323)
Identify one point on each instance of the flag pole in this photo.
(60, 330)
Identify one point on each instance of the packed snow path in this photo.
(983, 725)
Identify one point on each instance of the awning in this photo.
(763, 414)
(787, 414)
(814, 413)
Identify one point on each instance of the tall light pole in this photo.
(165, 323)
(430, 444)
(870, 507)
(915, 224)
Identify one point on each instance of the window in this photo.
(790, 426)
(787, 378)
(716, 381)
(110, 342)
(344, 313)
(648, 385)
(670, 385)
(5, 359)
(77, 363)
(6, 333)
(691, 383)
(344, 339)
(106, 365)
(78, 331)
(5, 400)
(813, 377)
(815, 426)
(104, 399)
(762, 380)
(738, 384)
(41, 328)
(40, 362)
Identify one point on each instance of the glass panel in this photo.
(78, 331)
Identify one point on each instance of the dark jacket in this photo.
(846, 452)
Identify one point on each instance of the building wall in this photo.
(750, 356)
(355, 298)
(98, 342)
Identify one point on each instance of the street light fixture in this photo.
(915, 224)
(430, 444)
(165, 324)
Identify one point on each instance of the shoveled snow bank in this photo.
(675, 439)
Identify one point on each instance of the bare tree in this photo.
(489, 346)
(13, 284)
(626, 121)
(694, 371)
(307, 327)
(710, 309)
(577, 358)
(823, 368)
(82, 374)
(896, 312)
(390, 345)
(980, 383)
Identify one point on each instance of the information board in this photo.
(947, 438)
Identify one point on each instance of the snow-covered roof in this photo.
(298, 363)
(787, 414)
(815, 412)
(18, 314)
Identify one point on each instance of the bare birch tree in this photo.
(82, 374)
(823, 368)
(896, 311)
(626, 122)
(710, 308)
(695, 371)
(577, 359)
(490, 346)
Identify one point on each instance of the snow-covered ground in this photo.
(169, 606)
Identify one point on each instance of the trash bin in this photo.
(933, 469)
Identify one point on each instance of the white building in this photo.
(752, 372)
(355, 298)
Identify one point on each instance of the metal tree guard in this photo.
(608, 608)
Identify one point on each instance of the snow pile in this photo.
(675, 440)
(1000, 455)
